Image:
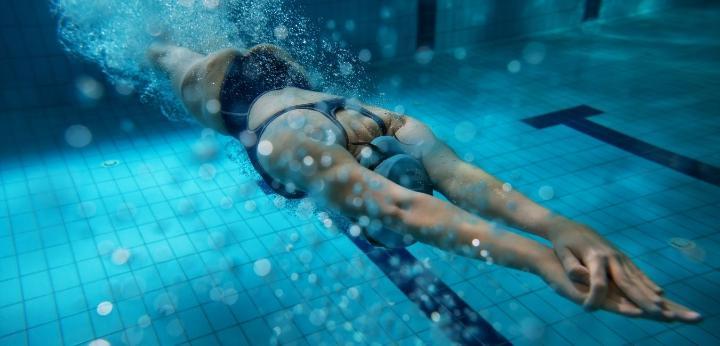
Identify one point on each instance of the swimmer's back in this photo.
(358, 127)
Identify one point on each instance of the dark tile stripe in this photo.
(462, 323)
(427, 13)
(576, 118)
(592, 10)
(562, 116)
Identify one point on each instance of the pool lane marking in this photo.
(576, 118)
(430, 293)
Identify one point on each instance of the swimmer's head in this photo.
(263, 68)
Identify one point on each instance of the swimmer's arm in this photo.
(584, 254)
(426, 218)
(472, 188)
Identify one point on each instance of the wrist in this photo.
(538, 260)
(560, 226)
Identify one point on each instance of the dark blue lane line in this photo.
(576, 118)
(465, 326)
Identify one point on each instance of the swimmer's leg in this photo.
(196, 78)
(174, 60)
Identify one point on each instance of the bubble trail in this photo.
(115, 35)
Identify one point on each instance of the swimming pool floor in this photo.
(214, 261)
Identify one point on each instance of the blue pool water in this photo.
(120, 226)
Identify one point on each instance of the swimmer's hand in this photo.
(614, 300)
(587, 257)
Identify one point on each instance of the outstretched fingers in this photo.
(572, 266)
(677, 312)
(635, 289)
(598, 281)
(645, 279)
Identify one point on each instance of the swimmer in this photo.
(304, 142)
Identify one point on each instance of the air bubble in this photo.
(230, 296)
(78, 136)
(308, 161)
(120, 256)
(207, 171)
(546, 192)
(144, 321)
(211, 4)
(465, 131)
(279, 202)
(305, 256)
(317, 317)
(353, 293)
(507, 187)
(435, 316)
(186, 3)
(262, 267)
(514, 66)
(326, 160)
(534, 53)
(99, 342)
(424, 55)
(355, 230)
(212, 106)
(346, 68)
(89, 88)
(281, 32)
(265, 148)
(250, 206)
(104, 308)
(365, 55)
(226, 202)
(460, 53)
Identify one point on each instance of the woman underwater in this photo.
(304, 142)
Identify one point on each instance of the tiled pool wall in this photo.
(35, 70)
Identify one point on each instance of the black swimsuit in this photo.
(236, 121)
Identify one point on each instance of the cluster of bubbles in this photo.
(116, 34)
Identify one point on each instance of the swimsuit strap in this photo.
(328, 108)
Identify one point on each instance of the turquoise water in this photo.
(119, 226)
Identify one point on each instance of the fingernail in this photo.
(693, 315)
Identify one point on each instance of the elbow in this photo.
(404, 211)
